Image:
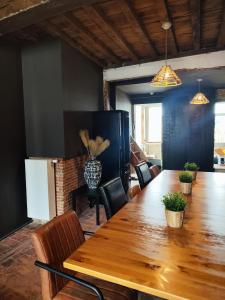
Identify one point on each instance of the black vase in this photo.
(92, 173)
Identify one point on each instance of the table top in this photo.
(136, 248)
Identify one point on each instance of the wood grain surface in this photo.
(136, 248)
(118, 32)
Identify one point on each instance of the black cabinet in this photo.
(114, 125)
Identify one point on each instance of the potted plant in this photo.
(174, 209)
(93, 167)
(193, 168)
(186, 179)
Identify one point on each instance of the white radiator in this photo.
(40, 186)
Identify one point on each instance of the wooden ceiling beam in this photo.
(98, 17)
(137, 25)
(164, 15)
(26, 36)
(178, 55)
(17, 14)
(55, 31)
(196, 23)
(91, 38)
(221, 37)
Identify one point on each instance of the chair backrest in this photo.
(154, 170)
(113, 196)
(53, 243)
(143, 174)
(134, 190)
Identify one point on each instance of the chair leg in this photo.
(78, 281)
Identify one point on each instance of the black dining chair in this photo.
(143, 174)
(113, 196)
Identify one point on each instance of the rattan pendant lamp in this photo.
(199, 98)
(166, 77)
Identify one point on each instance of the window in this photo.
(153, 119)
(148, 128)
(219, 136)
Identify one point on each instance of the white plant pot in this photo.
(174, 218)
(186, 188)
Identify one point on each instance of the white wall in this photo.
(200, 61)
(123, 103)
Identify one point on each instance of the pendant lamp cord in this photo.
(199, 86)
(166, 48)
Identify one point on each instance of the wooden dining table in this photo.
(136, 249)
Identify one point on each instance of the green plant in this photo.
(174, 201)
(185, 177)
(191, 166)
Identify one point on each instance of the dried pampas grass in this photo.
(99, 140)
(102, 147)
(84, 135)
(94, 147)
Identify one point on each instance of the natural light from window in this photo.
(154, 132)
(148, 129)
(219, 136)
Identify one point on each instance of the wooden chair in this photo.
(54, 242)
(154, 170)
(133, 191)
(113, 196)
(143, 174)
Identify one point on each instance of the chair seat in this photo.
(72, 291)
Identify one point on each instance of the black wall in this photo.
(43, 98)
(82, 81)
(57, 79)
(13, 144)
(188, 130)
(82, 93)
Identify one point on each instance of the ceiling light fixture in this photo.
(199, 98)
(166, 77)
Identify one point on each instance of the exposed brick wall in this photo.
(69, 176)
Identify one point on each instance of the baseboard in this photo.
(14, 230)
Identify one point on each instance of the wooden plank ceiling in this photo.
(120, 32)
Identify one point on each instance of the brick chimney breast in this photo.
(69, 177)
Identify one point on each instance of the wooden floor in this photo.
(19, 278)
